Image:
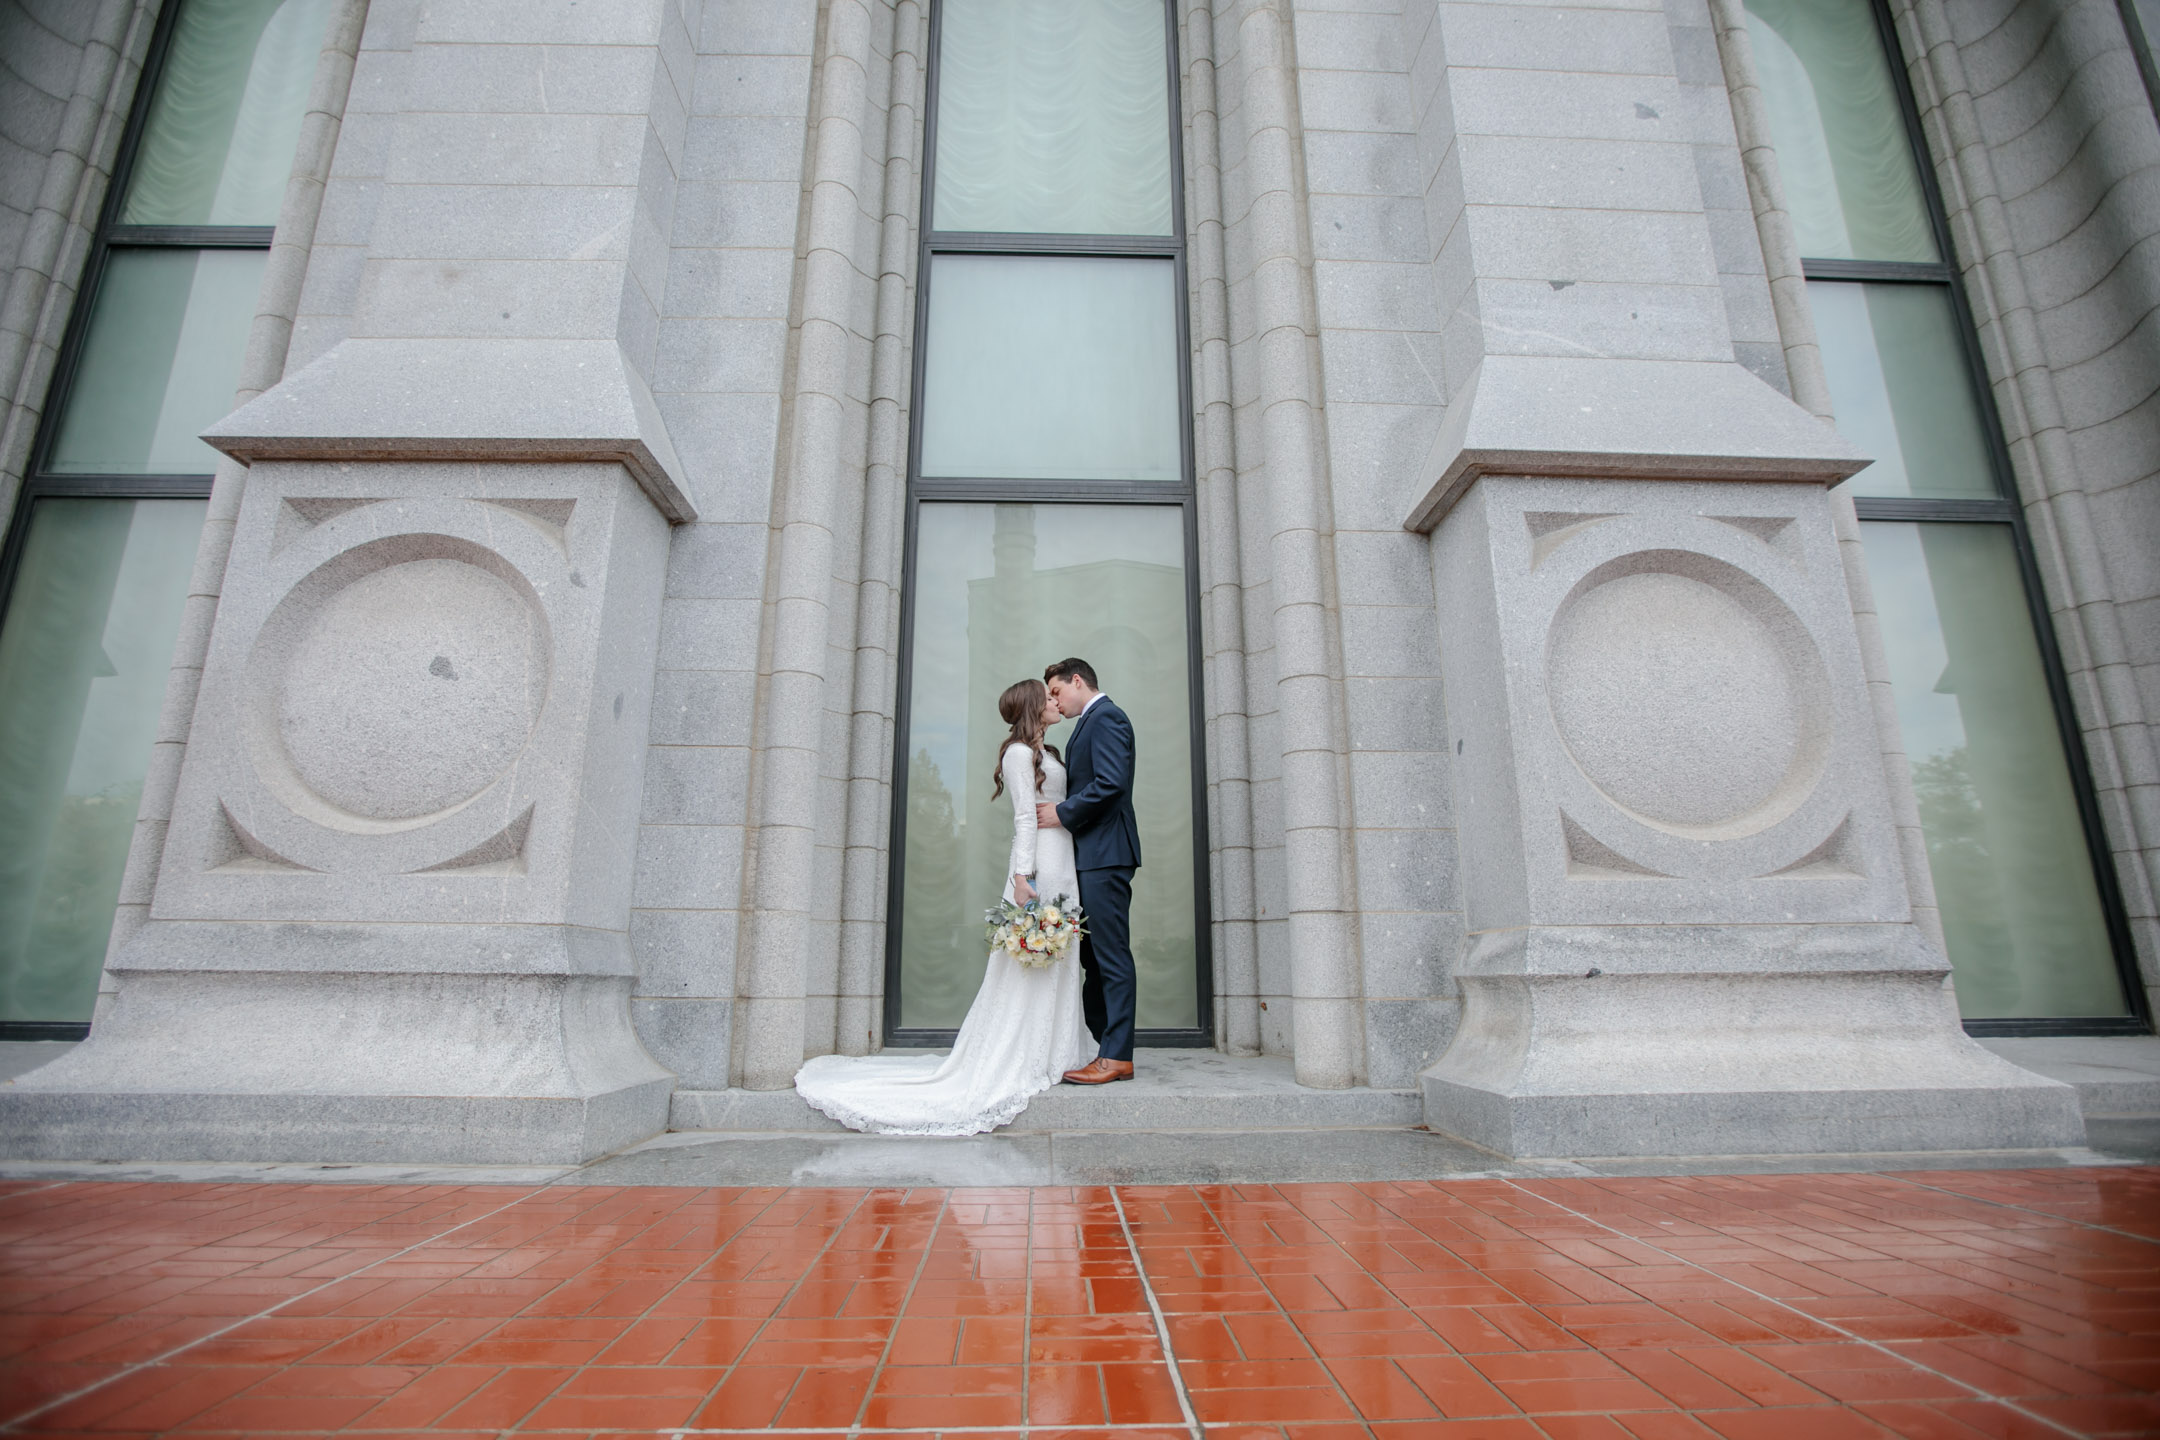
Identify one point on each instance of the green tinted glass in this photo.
(1001, 591)
(1053, 117)
(218, 142)
(2013, 874)
(1843, 151)
(84, 654)
(1901, 389)
(160, 362)
(1051, 367)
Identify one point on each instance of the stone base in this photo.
(1762, 1122)
(1680, 1041)
(499, 1045)
(354, 1129)
(1171, 1090)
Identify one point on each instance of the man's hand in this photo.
(1046, 816)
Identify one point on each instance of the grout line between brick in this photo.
(877, 1371)
(2027, 1210)
(1854, 1336)
(165, 1355)
(1162, 1326)
(728, 1371)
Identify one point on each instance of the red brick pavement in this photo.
(1932, 1306)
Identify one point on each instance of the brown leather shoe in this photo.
(1100, 1071)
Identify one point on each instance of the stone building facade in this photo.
(1631, 530)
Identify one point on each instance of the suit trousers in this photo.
(1108, 986)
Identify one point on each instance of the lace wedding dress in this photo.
(1021, 1034)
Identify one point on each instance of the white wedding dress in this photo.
(1021, 1035)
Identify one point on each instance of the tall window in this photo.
(2035, 933)
(99, 550)
(1050, 483)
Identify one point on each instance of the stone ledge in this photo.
(2114, 1074)
(1172, 1090)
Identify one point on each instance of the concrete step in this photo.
(2114, 1074)
(1170, 1090)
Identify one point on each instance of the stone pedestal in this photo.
(391, 918)
(1689, 931)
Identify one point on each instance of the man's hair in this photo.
(1068, 669)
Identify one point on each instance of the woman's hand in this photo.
(1022, 891)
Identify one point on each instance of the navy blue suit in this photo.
(1098, 811)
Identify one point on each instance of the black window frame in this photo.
(39, 481)
(2004, 510)
(1182, 494)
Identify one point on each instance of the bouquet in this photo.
(1035, 934)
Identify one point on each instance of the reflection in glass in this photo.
(219, 140)
(1046, 367)
(1843, 151)
(1001, 590)
(160, 362)
(1901, 389)
(2020, 907)
(84, 654)
(1053, 117)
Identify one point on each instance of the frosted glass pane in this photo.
(1043, 367)
(160, 363)
(2013, 874)
(218, 142)
(83, 658)
(1000, 592)
(1053, 117)
(1902, 390)
(1843, 151)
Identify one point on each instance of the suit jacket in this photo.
(1098, 808)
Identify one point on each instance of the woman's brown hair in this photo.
(1021, 707)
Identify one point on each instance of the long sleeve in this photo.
(1018, 767)
(1112, 738)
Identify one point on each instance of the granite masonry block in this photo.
(537, 150)
(736, 284)
(1406, 870)
(1378, 367)
(1382, 567)
(688, 867)
(745, 147)
(1579, 174)
(709, 634)
(1369, 227)
(529, 79)
(492, 299)
(1353, 100)
(737, 212)
(758, 27)
(1528, 37)
(1389, 640)
(1626, 246)
(717, 561)
(1410, 954)
(696, 785)
(1402, 1037)
(684, 952)
(1395, 714)
(703, 707)
(743, 84)
(1659, 322)
(1349, 41)
(710, 355)
(542, 222)
(689, 1037)
(1558, 105)
(1356, 163)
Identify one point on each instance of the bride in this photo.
(1024, 1030)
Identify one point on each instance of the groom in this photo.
(1106, 841)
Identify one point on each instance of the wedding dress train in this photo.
(1021, 1034)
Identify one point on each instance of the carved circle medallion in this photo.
(1688, 694)
(402, 679)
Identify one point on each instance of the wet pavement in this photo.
(1932, 1305)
